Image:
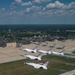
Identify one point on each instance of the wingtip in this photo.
(25, 62)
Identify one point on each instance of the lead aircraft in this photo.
(33, 57)
(38, 66)
(34, 50)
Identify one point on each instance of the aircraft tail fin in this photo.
(23, 55)
(63, 47)
(35, 48)
(61, 51)
(48, 49)
(46, 63)
(20, 48)
(54, 44)
(40, 55)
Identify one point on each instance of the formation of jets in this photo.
(39, 57)
(50, 51)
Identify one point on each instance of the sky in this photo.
(37, 11)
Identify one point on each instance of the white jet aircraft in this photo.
(34, 50)
(45, 51)
(33, 57)
(38, 66)
(58, 53)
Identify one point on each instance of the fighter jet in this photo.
(38, 66)
(33, 57)
(45, 51)
(34, 50)
(58, 53)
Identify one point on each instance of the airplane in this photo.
(45, 51)
(33, 57)
(52, 46)
(45, 44)
(61, 47)
(34, 50)
(58, 53)
(38, 66)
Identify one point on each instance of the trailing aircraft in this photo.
(33, 57)
(38, 66)
(45, 51)
(58, 53)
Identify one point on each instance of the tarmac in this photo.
(69, 73)
(11, 53)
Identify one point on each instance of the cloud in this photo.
(28, 10)
(60, 5)
(33, 10)
(71, 5)
(56, 4)
(3, 9)
(18, 1)
(46, 9)
(40, 1)
(27, 3)
(59, 8)
(21, 3)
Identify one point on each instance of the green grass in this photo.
(56, 66)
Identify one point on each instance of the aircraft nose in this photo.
(25, 62)
(45, 68)
(22, 55)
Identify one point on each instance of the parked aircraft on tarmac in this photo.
(38, 66)
(58, 53)
(45, 51)
(52, 46)
(61, 47)
(33, 57)
(34, 50)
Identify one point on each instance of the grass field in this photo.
(56, 66)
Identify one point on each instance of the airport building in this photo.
(13, 44)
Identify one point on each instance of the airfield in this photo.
(11, 53)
